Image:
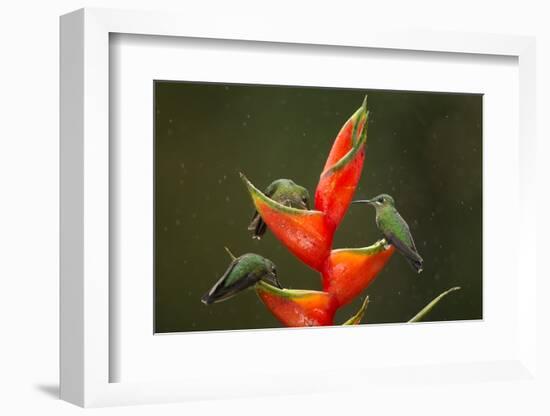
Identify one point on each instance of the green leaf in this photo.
(356, 319)
(427, 309)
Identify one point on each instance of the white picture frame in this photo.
(86, 165)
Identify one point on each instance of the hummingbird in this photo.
(285, 192)
(243, 272)
(394, 228)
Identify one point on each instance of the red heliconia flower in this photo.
(309, 234)
(349, 271)
(298, 307)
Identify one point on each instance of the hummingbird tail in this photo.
(257, 226)
(260, 229)
(417, 265)
(207, 299)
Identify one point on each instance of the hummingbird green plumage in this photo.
(243, 272)
(285, 192)
(394, 228)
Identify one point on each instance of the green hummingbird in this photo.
(395, 229)
(243, 272)
(285, 192)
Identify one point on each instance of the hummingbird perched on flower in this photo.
(285, 192)
(394, 228)
(243, 272)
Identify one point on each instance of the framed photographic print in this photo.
(297, 203)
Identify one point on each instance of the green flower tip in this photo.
(375, 248)
(285, 293)
(361, 116)
(364, 105)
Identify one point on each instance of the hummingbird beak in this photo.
(274, 280)
(363, 201)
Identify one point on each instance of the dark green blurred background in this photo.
(425, 149)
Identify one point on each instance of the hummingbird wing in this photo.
(257, 225)
(409, 252)
(226, 287)
(397, 232)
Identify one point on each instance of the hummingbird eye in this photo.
(381, 199)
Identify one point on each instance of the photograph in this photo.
(282, 206)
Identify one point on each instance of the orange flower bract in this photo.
(299, 307)
(349, 271)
